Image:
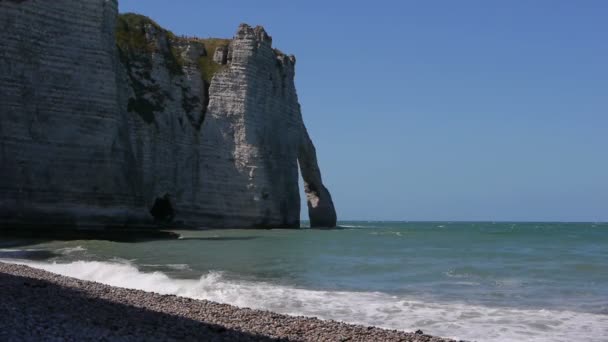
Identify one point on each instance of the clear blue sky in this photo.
(441, 110)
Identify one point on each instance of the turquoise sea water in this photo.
(474, 281)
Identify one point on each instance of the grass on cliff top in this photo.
(206, 64)
(136, 50)
(131, 33)
(132, 41)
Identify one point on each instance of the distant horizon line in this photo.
(463, 221)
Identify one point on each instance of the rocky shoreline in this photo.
(38, 305)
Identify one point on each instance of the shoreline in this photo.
(42, 305)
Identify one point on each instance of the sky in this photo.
(440, 110)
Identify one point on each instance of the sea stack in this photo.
(110, 121)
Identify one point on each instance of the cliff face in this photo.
(99, 127)
(250, 137)
(163, 99)
(64, 157)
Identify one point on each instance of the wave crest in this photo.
(460, 321)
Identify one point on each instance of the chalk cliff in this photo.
(110, 120)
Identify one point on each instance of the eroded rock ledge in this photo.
(112, 121)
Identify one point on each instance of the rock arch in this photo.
(321, 208)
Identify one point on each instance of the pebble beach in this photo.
(38, 305)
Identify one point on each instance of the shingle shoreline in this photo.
(37, 305)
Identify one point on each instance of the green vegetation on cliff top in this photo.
(206, 64)
(132, 42)
(131, 34)
(138, 38)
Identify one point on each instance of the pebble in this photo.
(37, 305)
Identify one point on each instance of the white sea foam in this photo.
(462, 321)
(385, 233)
(178, 267)
(71, 250)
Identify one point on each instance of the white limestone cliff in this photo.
(92, 135)
(64, 156)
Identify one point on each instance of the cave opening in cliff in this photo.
(162, 210)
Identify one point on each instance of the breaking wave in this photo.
(71, 250)
(461, 321)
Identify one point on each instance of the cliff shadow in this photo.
(23, 236)
(38, 309)
(35, 255)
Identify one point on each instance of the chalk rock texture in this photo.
(162, 97)
(111, 120)
(65, 159)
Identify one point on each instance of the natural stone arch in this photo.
(321, 210)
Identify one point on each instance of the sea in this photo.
(476, 281)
